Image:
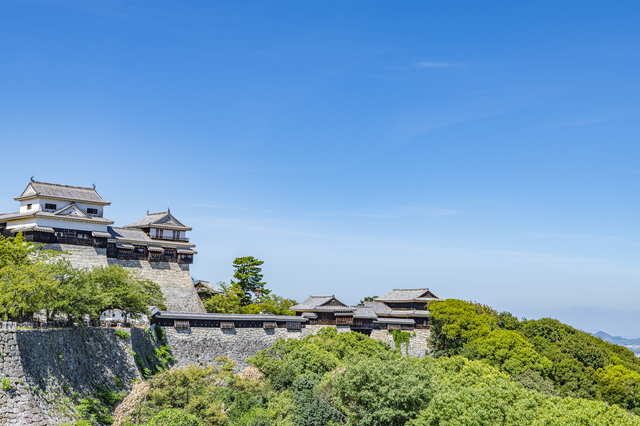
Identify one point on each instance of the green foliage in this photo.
(508, 351)
(318, 354)
(534, 381)
(123, 334)
(507, 321)
(366, 299)
(454, 323)
(371, 392)
(232, 301)
(213, 395)
(349, 379)
(228, 302)
(27, 279)
(482, 309)
(310, 410)
(107, 396)
(6, 384)
(280, 410)
(160, 333)
(248, 277)
(146, 372)
(34, 280)
(543, 355)
(118, 381)
(400, 337)
(173, 417)
(94, 411)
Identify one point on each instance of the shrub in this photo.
(173, 417)
(118, 382)
(6, 384)
(146, 372)
(123, 334)
(160, 333)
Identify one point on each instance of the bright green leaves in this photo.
(508, 351)
(454, 323)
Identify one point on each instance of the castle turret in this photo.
(53, 213)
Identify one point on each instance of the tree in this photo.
(27, 280)
(123, 290)
(509, 351)
(249, 278)
(454, 323)
(367, 299)
(227, 302)
(270, 304)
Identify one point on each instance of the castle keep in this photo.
(71, 219)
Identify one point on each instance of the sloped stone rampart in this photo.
(45, 367)
(175, 282)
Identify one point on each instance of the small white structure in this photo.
(46, 206)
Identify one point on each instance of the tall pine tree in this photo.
(248, 277)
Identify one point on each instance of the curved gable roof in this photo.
(37, 189)
(160, 220)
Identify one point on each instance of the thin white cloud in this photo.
(568, 236)
(426, 64)
(397, 213)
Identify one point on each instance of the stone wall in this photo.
(417, 342)
(46, 367)
(202, 345)
(174, 280)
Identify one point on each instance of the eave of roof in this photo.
(226, 317)
(75, 193)
(406, 321)
(48, 215)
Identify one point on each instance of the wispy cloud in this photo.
(396, 213)
(587, 121)
(568, 236)
(427, 64)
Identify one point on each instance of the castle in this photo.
(71, 219)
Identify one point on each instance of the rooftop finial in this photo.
(147, 212)
(168, 210)
(31, 178)
(94, 186)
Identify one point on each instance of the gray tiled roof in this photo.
(407, 321)
(49, 215)
(226, 317)
(162, 219)
(397, 295)
(137, 236)
(364, 312)
(378, 307)
(383, 310)
(128, 234)
(312, 302)
(67, 192)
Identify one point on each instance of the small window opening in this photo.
(28, 206)
(92, 211)
(50, 206)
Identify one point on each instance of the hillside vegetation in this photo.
(489, 369)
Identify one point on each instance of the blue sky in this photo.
(486, 150)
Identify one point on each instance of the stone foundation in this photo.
(174, 279)
(46, 367)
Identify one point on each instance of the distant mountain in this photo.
(633, 344)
